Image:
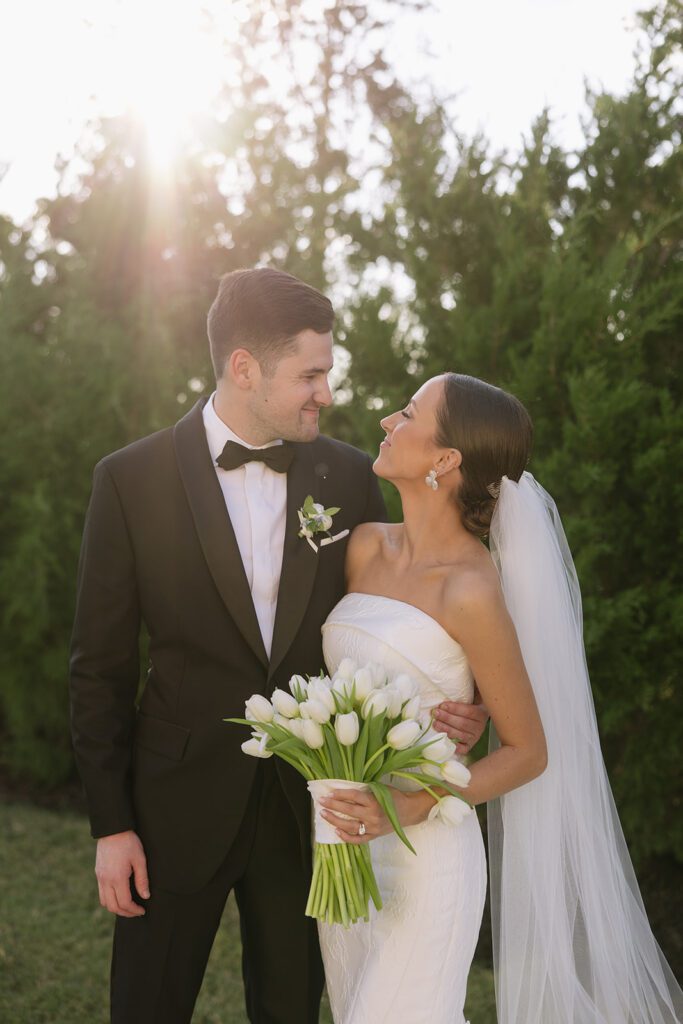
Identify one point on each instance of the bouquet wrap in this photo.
(323, 832)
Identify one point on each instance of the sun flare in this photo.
(165, 66)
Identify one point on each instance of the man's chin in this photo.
(304, 433)
(310, 433)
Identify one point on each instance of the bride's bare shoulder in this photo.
(367, 541)
(473, 586)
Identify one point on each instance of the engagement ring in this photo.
(361, 829)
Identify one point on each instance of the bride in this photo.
(572, 944)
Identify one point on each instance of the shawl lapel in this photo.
(214, 528)
(299, 562)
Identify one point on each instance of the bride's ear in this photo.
(450, 460)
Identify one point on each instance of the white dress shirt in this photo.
(256, 500)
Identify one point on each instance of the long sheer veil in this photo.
(572, 943)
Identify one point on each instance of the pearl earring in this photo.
(431, 480)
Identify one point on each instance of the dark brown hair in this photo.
(262, 311)
(493, 432)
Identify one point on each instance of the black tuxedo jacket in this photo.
(158, 547)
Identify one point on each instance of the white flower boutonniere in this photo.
(315, 519)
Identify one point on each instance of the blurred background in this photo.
(490, 188)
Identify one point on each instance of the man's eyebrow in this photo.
(318, 369)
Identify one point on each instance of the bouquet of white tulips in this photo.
(357, 729)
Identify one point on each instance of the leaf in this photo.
(360, 751)
(332, 745)
(386, 802)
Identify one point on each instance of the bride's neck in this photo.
(431, 526)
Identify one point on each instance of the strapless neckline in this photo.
(405, 604)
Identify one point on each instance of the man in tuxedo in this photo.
(193, 531)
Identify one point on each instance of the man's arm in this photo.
(103, 685)
(105, 660)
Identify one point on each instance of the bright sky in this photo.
(63, 62)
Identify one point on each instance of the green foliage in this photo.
(557, 275)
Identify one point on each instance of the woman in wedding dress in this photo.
(571, 940)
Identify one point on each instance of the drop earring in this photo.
(431, 480)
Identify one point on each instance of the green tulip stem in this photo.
(312, 904)
(339, 886)
(374, 758)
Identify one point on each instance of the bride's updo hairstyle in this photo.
(493, 432)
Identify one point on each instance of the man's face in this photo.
(287, 403)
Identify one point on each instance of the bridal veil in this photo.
(572, 943)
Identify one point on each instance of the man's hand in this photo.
(463, 723)
(118, 857)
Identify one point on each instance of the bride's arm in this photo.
(482, 625)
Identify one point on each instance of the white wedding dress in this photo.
(409, 964)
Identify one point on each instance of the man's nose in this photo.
(323, 395)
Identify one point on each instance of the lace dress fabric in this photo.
(409, 963)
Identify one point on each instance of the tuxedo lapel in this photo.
(212, 522)
(299, 561)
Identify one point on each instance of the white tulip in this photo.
(281, 721)
(440, 747)
(347, 668)
(298, 686)
(411, 709)
(364, 683)
(256, 747)
(296, 727)
(404, 735)
(260, 708)
(320, 681)
(394, 701)
(320, 691)
(374, 704)
(342, 685)
(456, 773)
(347, 728)
(285, 704)
(378, 672)
(406, 686)
(317, 711)
(432, 769)
(451, 810)
(313, 734)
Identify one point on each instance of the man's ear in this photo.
(243, 369)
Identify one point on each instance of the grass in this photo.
(55, 938)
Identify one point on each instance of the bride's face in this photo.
(409, 450)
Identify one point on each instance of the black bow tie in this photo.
(278, 456)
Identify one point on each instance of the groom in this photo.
(193, 531)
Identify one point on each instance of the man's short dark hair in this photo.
(262, 311)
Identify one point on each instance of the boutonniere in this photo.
(315, 519)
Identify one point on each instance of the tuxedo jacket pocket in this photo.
(161, 737)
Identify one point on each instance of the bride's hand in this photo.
(362, 808)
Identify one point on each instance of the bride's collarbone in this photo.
(424, 590)
(432, 587)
